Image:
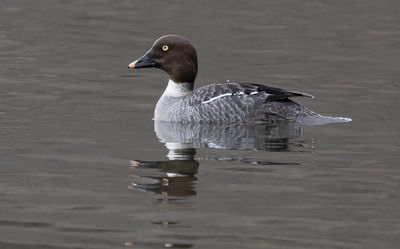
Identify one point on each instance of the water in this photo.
(83, 165)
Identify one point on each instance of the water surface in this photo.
(82, 164)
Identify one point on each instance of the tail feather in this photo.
(301, 94)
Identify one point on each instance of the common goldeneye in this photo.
(230, 102)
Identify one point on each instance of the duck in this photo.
(227, 102)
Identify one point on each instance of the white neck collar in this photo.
(177, 89)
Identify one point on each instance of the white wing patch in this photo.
(227, 94)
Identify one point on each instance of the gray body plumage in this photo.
(234, 102)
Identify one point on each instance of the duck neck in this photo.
(178, 89)
(168, 105)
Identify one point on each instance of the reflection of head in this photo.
(177, 178)
(180, 153)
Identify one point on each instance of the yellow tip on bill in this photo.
(132, 65)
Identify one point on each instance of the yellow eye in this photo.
(165, 47)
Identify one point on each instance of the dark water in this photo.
(81, 165)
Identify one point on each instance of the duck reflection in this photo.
(233, 137)
(176, 177)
